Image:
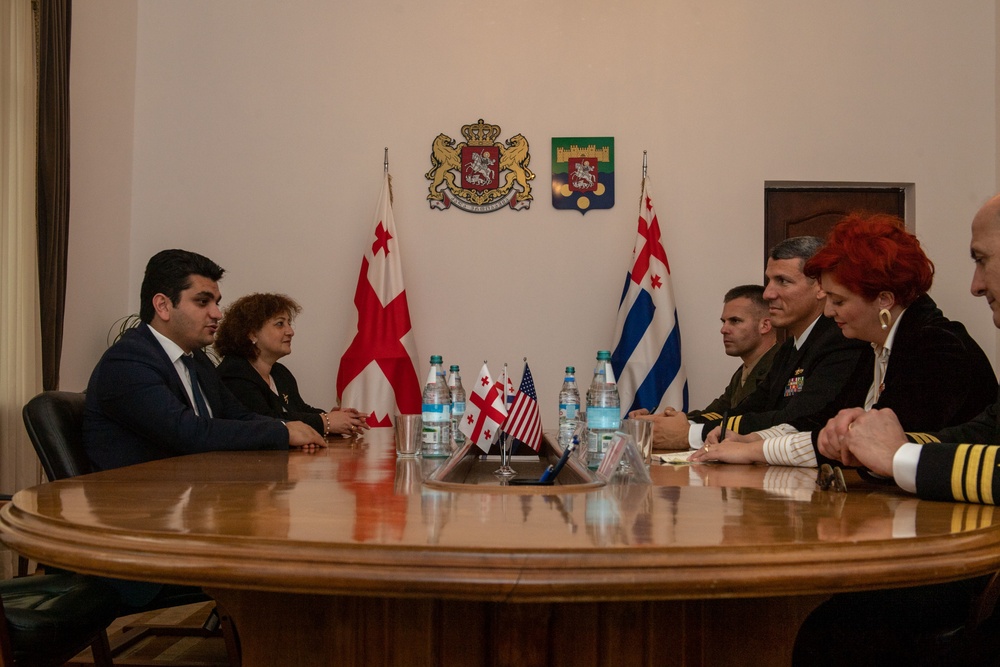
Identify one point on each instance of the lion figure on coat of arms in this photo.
(516, 158)
(444, 157)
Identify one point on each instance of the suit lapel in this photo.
(169, 370)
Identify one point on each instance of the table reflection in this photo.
(359, 492)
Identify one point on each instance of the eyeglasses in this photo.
(831, 478)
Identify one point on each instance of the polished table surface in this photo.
(353, 522)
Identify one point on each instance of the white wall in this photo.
(257, 131)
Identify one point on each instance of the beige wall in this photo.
(252, 131)
(102, 111)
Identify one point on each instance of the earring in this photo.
(885, 317)
(254, 340)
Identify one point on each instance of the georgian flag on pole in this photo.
(646, 354)
(485, 410)
(378, 370)
(524, 424)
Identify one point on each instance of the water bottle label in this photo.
(439, 412)
(433, 433)
(568, 411)
(458, 408)
(603, 418)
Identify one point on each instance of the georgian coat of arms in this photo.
(480, 174)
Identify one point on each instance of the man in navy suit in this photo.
(155, 394)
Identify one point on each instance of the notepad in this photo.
(677, 458)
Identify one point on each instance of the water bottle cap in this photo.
(570, 369)
(604, 354)
(454, 367)
(435, 358)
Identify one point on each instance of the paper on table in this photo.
(677, 458)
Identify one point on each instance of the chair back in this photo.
(54, 421)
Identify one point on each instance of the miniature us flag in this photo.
(524, 424)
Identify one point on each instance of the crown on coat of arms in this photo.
(480, 134)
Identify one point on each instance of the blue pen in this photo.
(551, 472)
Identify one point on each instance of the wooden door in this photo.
(814, 211)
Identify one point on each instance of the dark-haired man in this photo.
(155, 394)
(815, 372)
(746, 333)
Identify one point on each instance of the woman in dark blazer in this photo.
(255, 332)
(926, 367)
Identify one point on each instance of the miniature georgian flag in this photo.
(484, 411)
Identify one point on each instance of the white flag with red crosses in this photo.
(485, 410)
(378, 370)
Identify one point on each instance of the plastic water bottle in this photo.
(457, 403)
(569, 407)
(436, 412)
(603, 410)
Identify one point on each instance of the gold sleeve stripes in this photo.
(732, 425)
(963, 472)
(972, 473)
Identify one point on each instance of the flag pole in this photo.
(385, 170)
(643, 164)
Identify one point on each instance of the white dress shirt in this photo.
(174, 352)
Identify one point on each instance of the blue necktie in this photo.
(199, 400)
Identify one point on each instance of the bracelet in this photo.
(326, 422)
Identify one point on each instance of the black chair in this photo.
(54, 422)
(48, 619)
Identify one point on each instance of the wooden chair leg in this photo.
(6, 650)
(101, 650)
(986, 603)
(231, 637)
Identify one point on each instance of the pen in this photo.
(725, 420)
(551, 472)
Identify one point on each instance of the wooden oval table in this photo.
(346, 557)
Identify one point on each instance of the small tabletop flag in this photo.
(524, 423)
(484, 411)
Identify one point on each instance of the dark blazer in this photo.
(806, 387)
(734, 393)
(137, 409)
(937, 376)
(961, 462)
(249, 387)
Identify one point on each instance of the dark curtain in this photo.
(53, 177)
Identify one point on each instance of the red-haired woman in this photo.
(926, 367)
(255, 332)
